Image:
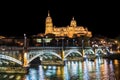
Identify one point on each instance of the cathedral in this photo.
(69, 31)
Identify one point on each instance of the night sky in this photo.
(102, 18)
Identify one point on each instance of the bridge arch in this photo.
(41, 53)
(104, 51)
(10, 58)
(70, 51)
(108, 50)
(89, 51)
(99, 50)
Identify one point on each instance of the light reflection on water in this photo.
(100, 69)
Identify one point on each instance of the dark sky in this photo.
(102, 18)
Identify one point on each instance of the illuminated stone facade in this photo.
(69, 31)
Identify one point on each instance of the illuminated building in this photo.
(69, 31)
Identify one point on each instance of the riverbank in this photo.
(13, 70)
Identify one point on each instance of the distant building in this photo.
(69, 31)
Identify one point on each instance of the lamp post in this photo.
(25, 41)
(67, 43)
(62, 43)
(57, 42)
(46, 40)
(82, 43)
(83, 48)
(73, 41)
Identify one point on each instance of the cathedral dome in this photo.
(73, 22)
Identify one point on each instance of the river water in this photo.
(100, 69)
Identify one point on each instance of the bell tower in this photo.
(72, 27)
(48, 24)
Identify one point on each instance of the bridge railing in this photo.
(42, 48)
(10, 48)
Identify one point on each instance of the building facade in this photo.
(69, 31)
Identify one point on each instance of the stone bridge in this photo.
(24, 57)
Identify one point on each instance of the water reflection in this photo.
(100, 69)
(11, 76)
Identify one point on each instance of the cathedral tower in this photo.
(73, 23)
(48, 24)
(71, 28)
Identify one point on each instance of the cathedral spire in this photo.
(48, 13)
(73, 18)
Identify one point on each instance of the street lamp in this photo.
(62, 42)
(57, 42)
(46, 37)
(82, 43)
(67, 42)
(25, 41)
(73, 41)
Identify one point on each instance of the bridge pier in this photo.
(25, 51)
(83, 53)
(62, 54)
(25, 60)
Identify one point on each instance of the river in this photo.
(100, 69)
